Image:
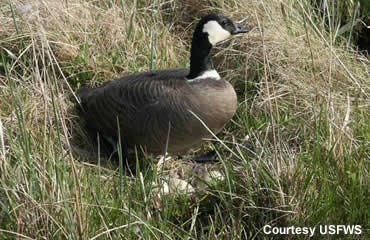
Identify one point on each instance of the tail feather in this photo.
(81, 95)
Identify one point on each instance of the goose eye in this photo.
(224, 22)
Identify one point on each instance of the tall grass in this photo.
(295, 154)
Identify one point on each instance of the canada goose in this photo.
(145, 104)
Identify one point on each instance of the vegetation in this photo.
(295, 154)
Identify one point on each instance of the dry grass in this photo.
(297, 149)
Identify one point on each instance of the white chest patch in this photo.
(215, 32)
(213, 74)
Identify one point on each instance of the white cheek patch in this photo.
(215, 32)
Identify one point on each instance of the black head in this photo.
(210, 30)
(218, 28)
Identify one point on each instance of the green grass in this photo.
(296, 152)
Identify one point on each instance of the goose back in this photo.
(145, 103)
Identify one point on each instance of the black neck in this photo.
(200, 59)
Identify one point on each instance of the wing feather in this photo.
(143, 103)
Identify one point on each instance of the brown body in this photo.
(145, 103)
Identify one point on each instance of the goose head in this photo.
(216, 28)
(211, 29)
